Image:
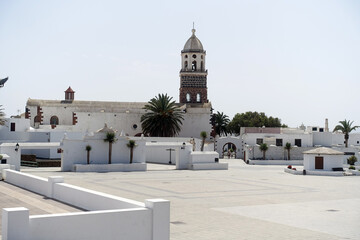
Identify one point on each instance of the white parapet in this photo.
(15, 223)
(117, 167)
(206, 161)
(108, 217)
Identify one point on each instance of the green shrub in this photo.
(1, 157)
(352, 167)
(352, 160)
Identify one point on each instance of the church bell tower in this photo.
(193, 75)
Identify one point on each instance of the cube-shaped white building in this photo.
(323, 159)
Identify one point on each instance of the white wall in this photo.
(74, 151)
(123, 118)
(306, 138)
(275, 153)
(237, 141)
(156, 152)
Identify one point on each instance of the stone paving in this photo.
(244, 202)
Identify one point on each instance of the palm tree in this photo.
(88, 149)
(203, 135)
(221, 122)
(131, 144)
(264, 147)
(345, 127)
(2, 116)
(110, 138)
(288, 148)
(163, 117)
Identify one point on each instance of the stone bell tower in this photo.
(193, 75)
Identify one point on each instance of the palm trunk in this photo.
(346, 139)
(264, 155)
(131, 155)
(110, 150)
(88, 157)
(289, 154)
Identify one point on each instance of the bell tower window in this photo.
(193, 66)
(186, 64)
(198, 97)
(202, 66)
(188, 98)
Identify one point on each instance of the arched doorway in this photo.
(229, 147)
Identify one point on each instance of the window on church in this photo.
(193, 67)
(186, 56)
(186, 64)
(54, 120)
(202, 66)
(198, 97)
(194, 56)
(202, 56)
(188, 99)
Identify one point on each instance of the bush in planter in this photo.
(293, 169)
(352, 167)
(1, 157)
(289, 167)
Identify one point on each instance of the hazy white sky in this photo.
(296, 60)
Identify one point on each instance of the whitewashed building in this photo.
(70, 114)
(323, 158)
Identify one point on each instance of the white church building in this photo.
(70, 114)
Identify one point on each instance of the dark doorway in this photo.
(319, 162)
(12, 127)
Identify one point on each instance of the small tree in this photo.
(352, 160)
(131, 144)
(203, 135)
(288, 148)
(264, 147)
(110, 138)
(88, 149)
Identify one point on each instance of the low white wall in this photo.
(2, 167)
(117, 167)
(91, 200)
(203, 157)
(276, 162)
(27, 181)
(132, 224)
(119, 218)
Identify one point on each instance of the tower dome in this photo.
(193, 44)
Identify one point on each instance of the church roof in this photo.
(323, 151)
(104, 106)
(193, 44)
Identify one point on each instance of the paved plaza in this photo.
(244, 202)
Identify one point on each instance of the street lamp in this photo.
(17, 147)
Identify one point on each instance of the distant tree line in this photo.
(223, 126)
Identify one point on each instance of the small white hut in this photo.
(323, 159)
